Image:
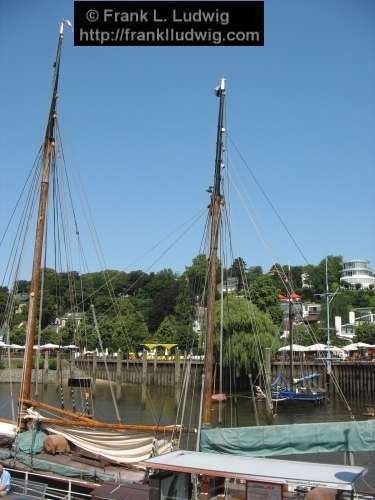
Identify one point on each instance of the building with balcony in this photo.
(70, 317)
(358, 272)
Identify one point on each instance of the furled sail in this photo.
(118, 447)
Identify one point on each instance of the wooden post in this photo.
(36, 371)
(155, 367)
(45, 369)
(58, 367)
(72, 363)
(267, 372)
(94, 368)
(177, 366)
(177, 360)
(253, 399)
(144, 377)
(119, 375)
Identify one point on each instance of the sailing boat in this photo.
(116, 443)
(273, 440)
(120, 443)
(294, 389)
(227, 454)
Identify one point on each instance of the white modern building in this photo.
(357, 272)
(356, 317)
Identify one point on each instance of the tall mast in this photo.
(215, 215)
(291, 360)
(47, 159)
(328, 301)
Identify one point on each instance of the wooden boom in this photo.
(76, 420)
(53, 409)
(152, 429)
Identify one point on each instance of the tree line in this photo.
(136, 307)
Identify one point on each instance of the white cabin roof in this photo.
(266, 470)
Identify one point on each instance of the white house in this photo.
(358, 272)
(75, 317)
(356, 317)
(305, 279)
(230, 285)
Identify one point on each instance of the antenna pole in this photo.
(215, 216)
(47, 160)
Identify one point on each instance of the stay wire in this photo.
(37, 159)
(262, 190)
(99, 252)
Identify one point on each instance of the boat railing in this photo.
(34, 485)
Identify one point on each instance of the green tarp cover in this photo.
(266, 441)
(30, 441)
(38, 464)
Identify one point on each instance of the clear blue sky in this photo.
(139, 124)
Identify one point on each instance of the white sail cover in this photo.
(118, 447)
(8, 429)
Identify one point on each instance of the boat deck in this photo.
(119, 473)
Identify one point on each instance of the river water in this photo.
(161, 408)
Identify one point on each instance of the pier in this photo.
(162, 372)
(355, 378)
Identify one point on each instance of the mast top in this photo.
(220, 89)
(65, 22)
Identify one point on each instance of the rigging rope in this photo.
(274, 209)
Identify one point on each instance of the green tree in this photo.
(49, 309)
(341, 304)
(124, 330)
(365, 332)
(289, 274)
(184, 305)
(252, 273)
(246, 332)
(186, 338)
(18, 335)
(3, 299)
(167, 331)
(51, 335)
(162, 288)
(22, 286)
(142, 302)
(238, 270)
(197, 274)
(308, 335)
(263, 293)
(318, 273)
